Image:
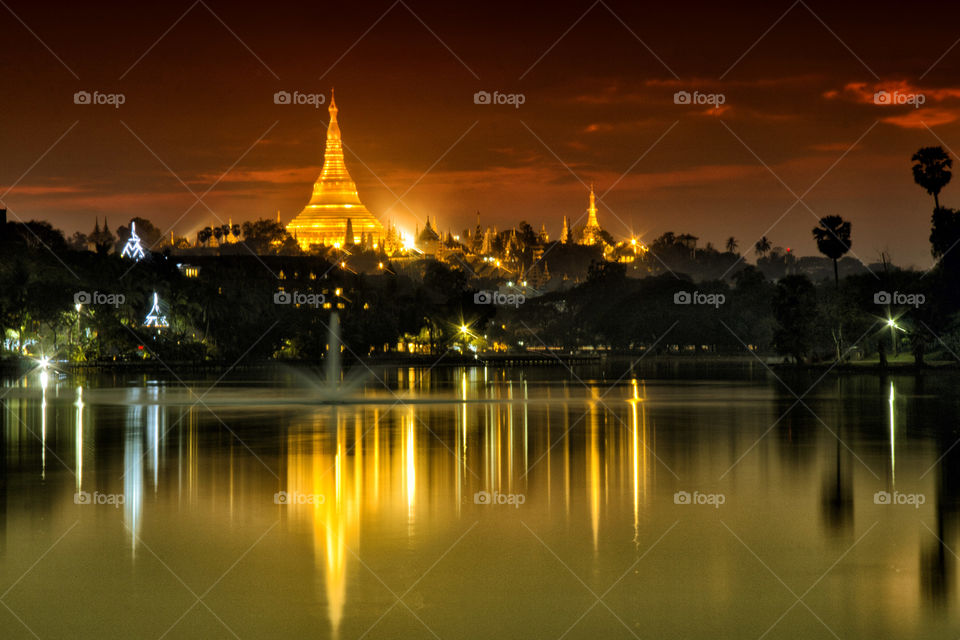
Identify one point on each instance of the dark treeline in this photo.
(78, 300)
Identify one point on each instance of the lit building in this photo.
(592, 233)
(428, 240)
(335, 205)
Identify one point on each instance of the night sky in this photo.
(798, 118)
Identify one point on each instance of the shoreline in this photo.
(22, 366)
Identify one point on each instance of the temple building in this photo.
(335, 207)
(591, 233)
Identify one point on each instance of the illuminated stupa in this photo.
(592, 233)
(335, 201)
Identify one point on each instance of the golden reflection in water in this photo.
(410, 466)
(593, 458)
(893, 454)
(364, 462)
(43, 423)
(78, 438)
(325, 486)
(639, 452)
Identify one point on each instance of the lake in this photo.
(664, 502)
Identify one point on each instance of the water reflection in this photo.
(365, 489)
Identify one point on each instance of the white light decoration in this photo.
(155, 317)
(133, 249)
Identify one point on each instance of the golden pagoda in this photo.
(335, 205)
(591, 232)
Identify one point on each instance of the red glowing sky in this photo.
(798, 135)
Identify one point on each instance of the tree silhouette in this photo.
(732, 245)
(833, 240)
(762, 246)
(932, 170)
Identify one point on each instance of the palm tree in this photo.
(932, 170)
(833, 240)
(762, 246)
(203, 236)
(235, 231)
(218, 234)
(732, 245)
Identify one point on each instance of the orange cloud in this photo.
(916, 101)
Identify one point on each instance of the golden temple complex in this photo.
(335, 206)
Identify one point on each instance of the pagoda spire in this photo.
(348, 235)
(335, 199)
(592, 211)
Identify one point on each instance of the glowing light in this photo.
(155, 317)
(132, 249)
(44, 362)
(335, 202)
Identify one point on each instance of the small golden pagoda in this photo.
(335, 203)
(591, 231)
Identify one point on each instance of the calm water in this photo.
(141, 508)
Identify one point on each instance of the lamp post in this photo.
(78, 307)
